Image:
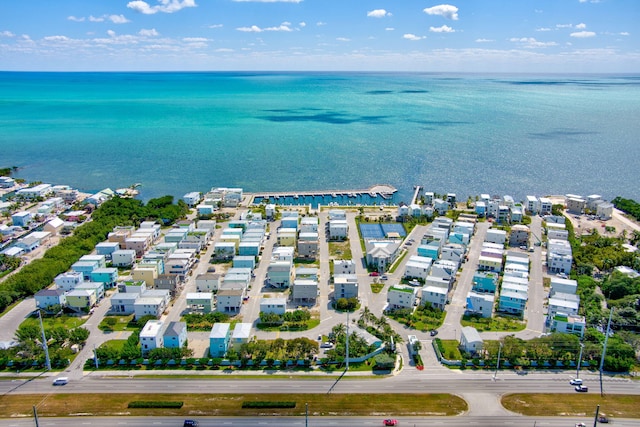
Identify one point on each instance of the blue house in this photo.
(289, 219)
(219, 339)
(175, 336)
(481, 209)
(243, 261)
(485, 282)
(107, 248)
(431, 250)
(84, 267)
(249, 248)
(21, 219)
(108, 276)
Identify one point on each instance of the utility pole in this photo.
(95, 356)
(347, 352)
(35, 415)
(497, 364)
(604, 350)
(306, 415)
(579, 361)
(45, 347)
(595, 419)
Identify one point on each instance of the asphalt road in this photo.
(510, 420)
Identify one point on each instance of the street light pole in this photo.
(579, 361)
(45, 347)
(604, 350)
(497, 364)
(347, 352)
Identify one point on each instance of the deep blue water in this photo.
(181, 132)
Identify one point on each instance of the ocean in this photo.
(462, 133)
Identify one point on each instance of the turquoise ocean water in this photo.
(181, 132)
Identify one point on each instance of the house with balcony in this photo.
(400, 296)
(224, 250)
(123, 302)
(273, 305)
(219, 338)
(279, 274)
(192, 198)
(290, 219)
(519, 235)
(249, 248)
(564, 286)
(308, 245)
(439, 282)
(151, 336)
(168, 282)
(513, 298)
(559, 256)
(338, 229)
(568, 324)
(562, 303)
(241, 334)
(545, 206)
(208, 282)
(123, 258)
(108, 276)
(309, 224)
(149, 305)
(532, 206)
(68, 281)
(344, 266)
(81, 300)
(200, 302)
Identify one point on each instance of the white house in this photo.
(229, 300)
(345, 286)
(401, 296)
(273, 305)
(151, 336)
(344, 266)
(208, 282)
(559, 256)
(304, 291)
(200, 302)
(417, 267)
(565, 286)
(496, 236)
(480, 303)
(241, 334)
(470, 340)
(381, 253)
(434, 295)
(338, 229)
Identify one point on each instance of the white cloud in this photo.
(530, 42)
(194, 39)
(445, 10)
(57, 38)
(94, 19)
(166, 6)
(111, 33)
(255, 29)
(583, 34)
(216, 26)
(7, 34)
(484, 40)
(564, 25)
(302, 24)
(268, 1)
(149, 33)
(321, 24)
(118, 19)
(75, 19)
(581, 26)
(443, 29)
(412, 37)
(224, 50)
(389, 29)
(543, 29)
(378, 13)
(343, 39)
(624, 33)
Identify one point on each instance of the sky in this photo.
(552, 36)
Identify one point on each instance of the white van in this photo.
(60, 381)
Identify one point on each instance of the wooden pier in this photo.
(383, 191)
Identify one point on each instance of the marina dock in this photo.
(376, 194)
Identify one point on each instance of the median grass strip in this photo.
(557, 405)
(269, 404)
(155, 404)
(114, 404)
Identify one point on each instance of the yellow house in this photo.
(146, 274)
(81, 299)
(287, 237)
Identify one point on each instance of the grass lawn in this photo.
(398, 261)
(340, 250)
(67, 322)
(579, 405)
(495, 324)
(450, 349)
(114, 344)
(121, 325)
(230, 405)
(376, 288)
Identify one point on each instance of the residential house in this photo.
(149, 304)
(273, 305)
(562, 303)
(513, 298)
(439, 282)
(286, 237)
(304, 291)
(200, 302)
(338, 229)
(453, 252)
(445, 269)
(308, 245)
(229, 300)
(545, 206)
(431, 249)
(224, 250)
(434, 295)
(123, 302)
(53, 226)
(68, 281)
(485, 282)
(241, 334)
(470, 340)
(604, 211)
(219, 338)
(37, 191)
(28, 243)
(175, 335)
(270, 211)
(151, 336)
(516, 213)
(344, 266)
(564, 286)
(81, 300)
(283, 253)
(289, 219)
(440, 206)
(496, 236)
(532, 205)
(48, 298)
(279, 274)
(108, 276)
(428, 198)
(249, 248)
(192, 199)
(569, 324)
(123, 258)
(489, 263)
(345, 286)
(208, 282)
(145, 274)
(401, 296)
(417, 267)
(309, 224)
(519, 235)
(481, 209)
(96, 287)
(381, 253)
(576, 205)
(559, 256)
(337, 214)
(107, 248)
(480, 304)
(169, 282)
